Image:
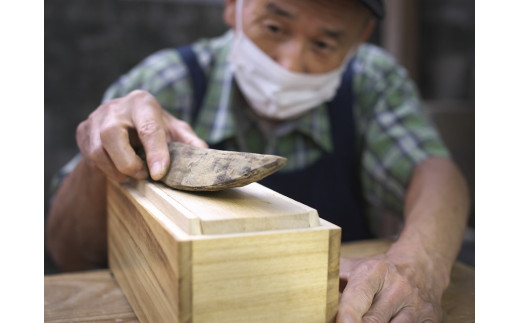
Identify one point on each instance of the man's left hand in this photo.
(386, 289)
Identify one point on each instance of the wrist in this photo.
(426, 262)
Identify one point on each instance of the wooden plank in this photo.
(333, 273)
(246, 209)
(85, 297)
(144, 258)
(157, 195)
(267, 277)
(271, 275)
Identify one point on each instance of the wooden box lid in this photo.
(244, 209)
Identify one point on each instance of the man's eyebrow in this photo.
(273, 8)
(336, 34)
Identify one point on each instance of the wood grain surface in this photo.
(96, 297)
(275, 274)
(245, 209)
(144, 257)
(92, 296)
(269, 277)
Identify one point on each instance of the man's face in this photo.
(304, 36)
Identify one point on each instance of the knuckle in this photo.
(363, 297)
(114, 109)
(366, 267)
(109, 107)
(407, 314)
(104, 109)
(347, 316)
(81, 133)
(141, 95)
(374, 266)
(436, 317)
(382, 267)
(82, 125)
(118, 177)
(148, 128)
(402, 291)
(105, 130)
(429, 309)
(97, 154)
(405, 287)
(129, 168)
(109, 130)
(373, 317)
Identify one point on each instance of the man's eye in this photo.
(321, 44)
(273, 28)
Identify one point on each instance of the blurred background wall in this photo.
(89, 43)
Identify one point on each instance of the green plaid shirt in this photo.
(393, 132)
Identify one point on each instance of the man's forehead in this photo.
(326, 8)
(345, 5)
(335, 13)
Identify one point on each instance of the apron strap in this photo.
(198, 79)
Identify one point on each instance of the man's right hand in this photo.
(108, 137)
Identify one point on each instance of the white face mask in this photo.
(271, 90)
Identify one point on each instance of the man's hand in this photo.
(386, 289)
(407, 282)
(108, 137)
(76, 226)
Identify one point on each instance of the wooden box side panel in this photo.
(275, 277)
(333, 274)
(144, 258)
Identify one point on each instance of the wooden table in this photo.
(94, 296)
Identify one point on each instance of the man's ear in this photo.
(229, 13)
(367, 31)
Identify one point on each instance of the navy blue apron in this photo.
(331, 185)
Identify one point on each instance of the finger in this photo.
(100, 159)
(345, 267)
(383, 309)
(395, 295)
(404, 316)
(116, 143)
(183, 132)
(422, 311)
(94, 154)
(152, 134)
(363, 284)
(355, 302)
(348, 265)
(412, 315)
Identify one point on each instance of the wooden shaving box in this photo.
(244, 254)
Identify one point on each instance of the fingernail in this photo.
(156, 170)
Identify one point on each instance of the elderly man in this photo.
(292, 78)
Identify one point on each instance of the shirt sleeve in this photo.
(396, 133)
